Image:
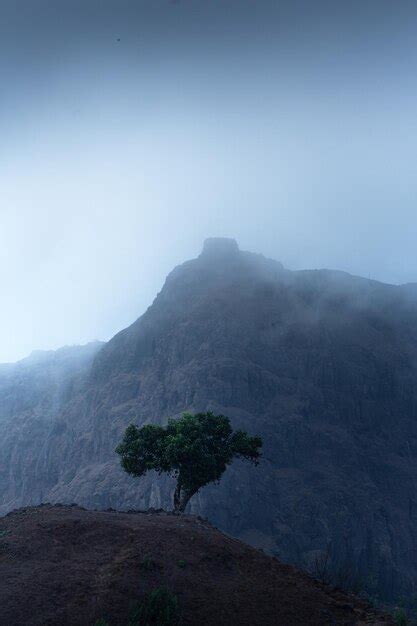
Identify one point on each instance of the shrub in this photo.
(158, 608)
(148, 564)
(400, 617)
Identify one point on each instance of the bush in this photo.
(159, 608)
(148, 564)
(400, 617)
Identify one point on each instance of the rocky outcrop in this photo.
(321, 364)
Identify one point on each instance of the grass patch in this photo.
(158, 608)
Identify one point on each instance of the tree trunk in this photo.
(177, 498)
(184, 500)
(181, 499)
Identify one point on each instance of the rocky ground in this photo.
(69, 566)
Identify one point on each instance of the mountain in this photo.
(32, 394)
(72, 566)
(321, 364)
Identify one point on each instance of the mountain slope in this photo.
(321, 364)
(73, 566)
(32, 394)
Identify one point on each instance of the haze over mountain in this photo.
(132, 129)
(321, 364)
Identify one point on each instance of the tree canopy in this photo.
(195, 449)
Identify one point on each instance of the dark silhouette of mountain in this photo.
(321, 364)
(65, 566)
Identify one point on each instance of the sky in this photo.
(131, 130)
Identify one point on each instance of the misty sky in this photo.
(132, 130)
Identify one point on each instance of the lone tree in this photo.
(195, 449)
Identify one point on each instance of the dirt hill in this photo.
(69, 566)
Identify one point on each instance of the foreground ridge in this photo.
(74, 566)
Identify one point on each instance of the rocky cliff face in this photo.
(32, 394)
(321, 364)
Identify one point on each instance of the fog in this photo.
(132, 130)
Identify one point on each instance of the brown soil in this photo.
(68, 566)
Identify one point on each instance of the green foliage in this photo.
(195, 449)
(148, 564)
(400, 617)
(182, 563)
(159, 608)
